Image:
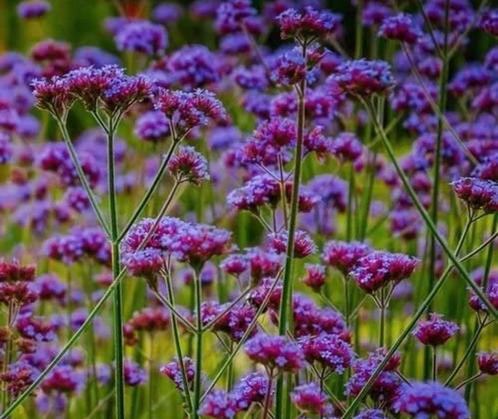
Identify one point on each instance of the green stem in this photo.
(443, 81)
(177, 343)
(407, 330)
(117, 297)
(198, 341)
(148, 195)
(82, 176)
(286, 299)
(434, 363)
(467, 353)
(426, 217)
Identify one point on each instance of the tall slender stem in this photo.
(178, 345)
(436, 173)
(286, 299)
(267, 402)
(426, 217)
(198, 346)
(403, 335)
(434, 363)
(82, 177)
(117, 297)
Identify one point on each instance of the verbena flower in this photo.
(307, 23)
(489, 22)
(346, 147)
(363, 77)
(314, 277)
(289, 68)
(275, 352)
(477, 193)
(435, 331)
(173, 371)
(377, 269)
(219, 404)
(424, 399)
(329, 351)
(152, 126)
(309, 398)
(400, 28)
(142, 37)
(488, 362)
(258, 191)
(344, 255)
(303, 243)
(234, 264)
(387, 385)
(188, 165)
(371, 414)
(167, 13)
(251, 388)
(134, 375)
(232, 14)
(32, 9)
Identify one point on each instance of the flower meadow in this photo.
(249, 209)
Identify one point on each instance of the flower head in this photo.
(377, 269)
(309, 398)
(173, 371)
(314, 277)
(328, 350)
(363, 77)
(435, 331)
(488, 362)
(400, 28)
(188, 165)
(425, 399)
(289, 68)
(32, 9)
(344, 255)
(275, 352)
(152, 126)
(477, 193)
(143, 37)
(307, 23)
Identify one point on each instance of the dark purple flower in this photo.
(173, 371)
(194, 66)
(477, 193)
(375, 12)
(314, 277)
(400, 28)
(346, 147)
(234, 264)
(488, 362)
(377, 269)
(489, 22)
(152, 126)
(188, 165)
(133, 374)
(307, 23)
(289, 68)
(32, 9)
(235, 43)
(219, 404)
(275, 352)
(251, 388)
(435, 331)
(303, 243)
(363, 77)
(142, 37)
(387, 385)
(309, 398)
(419, 400)
(371, 414)
(344, 255)
(329, 351)
(167, 13)
(232, 14)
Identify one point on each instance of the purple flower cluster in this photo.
(275, 352)
(142, 37)
(435, 331)
(419, 400)
(33, 9)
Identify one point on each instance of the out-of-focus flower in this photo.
(188, 165)
(275, 352)
(424, 399)
(33, 9)
(142, 37)
(488, 362)
(307, 23)
(400, 28)
(435, 331)
(309, 398)
(363, 77)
